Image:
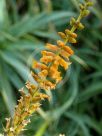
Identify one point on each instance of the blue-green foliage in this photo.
(76, 107)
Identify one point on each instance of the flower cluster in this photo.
(26, 106)
(53, 57)
(47, 76)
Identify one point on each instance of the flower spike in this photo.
(47, 76)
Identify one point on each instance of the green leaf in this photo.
(15, 63)
(15, 78)
(6, 92)
(91, 91)
(79, 121)
(23, 45)
(93, 124)
(28, 24)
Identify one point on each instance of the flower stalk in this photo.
(48, 75)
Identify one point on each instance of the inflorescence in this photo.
(48, 77)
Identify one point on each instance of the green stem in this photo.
(42, 128)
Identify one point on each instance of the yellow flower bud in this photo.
(80, 26)
(89, 3)
(60, 43)
(72, 21)
(85, 13)
(72, 40)
(68, 32)
(82, 7)
(62, 35)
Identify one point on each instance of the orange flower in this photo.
(52, 47)
(47, 85)
(60, 43)
(64, 54)
(65, 49)
(39, 65)
(35, 76)
(47, 59)
(47, 53)
(43, 74)
(54, 73)
(62, 62)
(68, 50)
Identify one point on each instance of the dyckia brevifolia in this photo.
(48, 76)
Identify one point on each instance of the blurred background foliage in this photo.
(75, 108)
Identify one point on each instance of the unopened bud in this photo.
(81, 6)
(85, 13)
(68, 32)
(80, 26)
(72, 40)
(72, 21)
(89, 3)
(62, 35)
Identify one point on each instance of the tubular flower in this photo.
(52, 47)
(39, 66)
(54, 73)
(47, 76)
(47, 59)
(51, 60)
